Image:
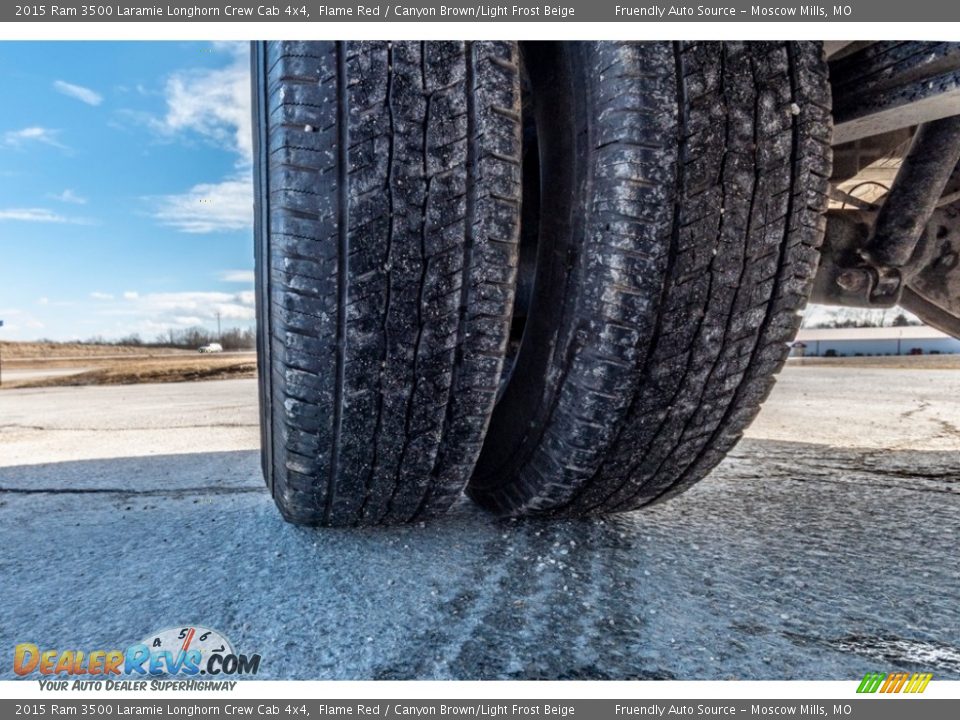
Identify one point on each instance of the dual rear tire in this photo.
(680, 192)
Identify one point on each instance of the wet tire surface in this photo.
(389, 182)
(684, 202)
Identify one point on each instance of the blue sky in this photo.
(125, 195)
(125, 189)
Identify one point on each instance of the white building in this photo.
(918, 339)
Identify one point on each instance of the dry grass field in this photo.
(14, 352)
(153, 370)
(56, 364)
(71, 364)
(891, 362)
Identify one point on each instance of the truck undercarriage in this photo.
(893, 227)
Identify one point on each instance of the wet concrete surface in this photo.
(812, 552)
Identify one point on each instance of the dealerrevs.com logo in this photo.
(189, 651)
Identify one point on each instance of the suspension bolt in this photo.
(852, 280)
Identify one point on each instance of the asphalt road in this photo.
(824, 547)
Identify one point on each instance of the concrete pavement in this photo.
(824, 547)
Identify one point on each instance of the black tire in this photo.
(683, 187)
(388, 185)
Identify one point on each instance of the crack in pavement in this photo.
(873, 485)
(910, 472)
(921, 406)
(790, 472)
(42, 428)
(904, 474)
(948, 428)
(173, 492)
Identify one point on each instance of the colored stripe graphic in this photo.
(920, 684)
(889, 682)
(895, 682)
(871, 682)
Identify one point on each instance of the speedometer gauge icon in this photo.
(186, 638)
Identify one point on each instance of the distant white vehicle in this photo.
(211, 348)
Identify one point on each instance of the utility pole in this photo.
(219, 334)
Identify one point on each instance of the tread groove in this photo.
(467, 261)
(343, 255)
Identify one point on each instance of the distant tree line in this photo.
(194, 337)
(186, 338)
(865, 318)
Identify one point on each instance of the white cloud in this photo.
(69, 196)
(16, 321)
(78, 92)
(209, 207)
(231, 306)
(48, 303)
(153, 313)
(149, 314)
(237, 276)
(192, 302)
(41, 215)
(214, 103)
(34, 134)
